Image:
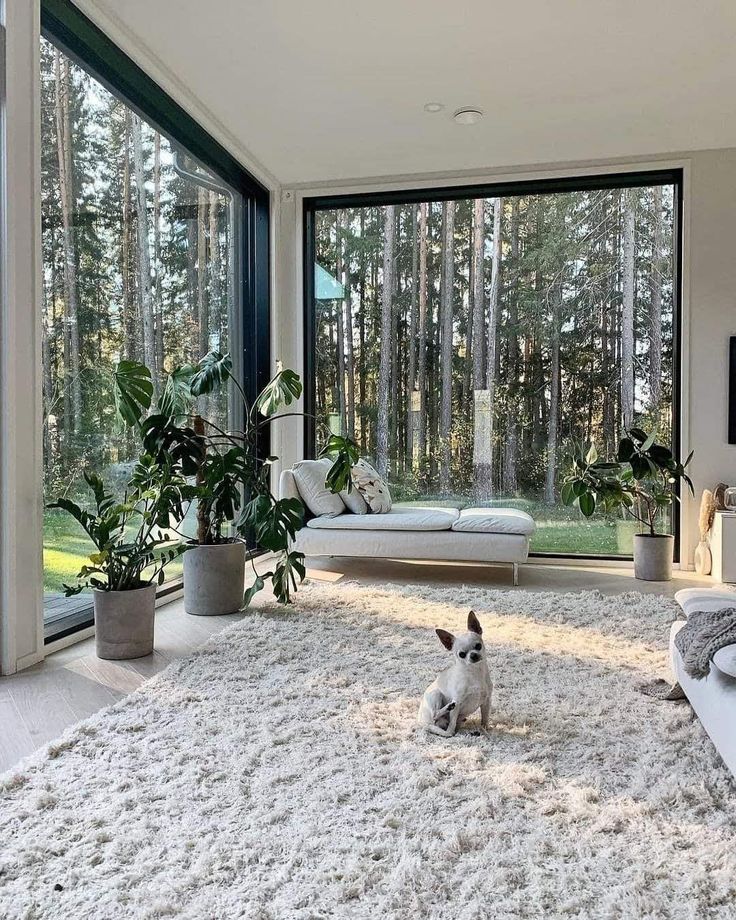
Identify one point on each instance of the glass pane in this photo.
(137, 264)
(469, 345)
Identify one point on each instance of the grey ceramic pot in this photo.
(124, 622)
(214, 579)
(653, 556)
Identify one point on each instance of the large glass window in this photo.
(141, 260)
(469, 343)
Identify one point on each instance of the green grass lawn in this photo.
(66, 548)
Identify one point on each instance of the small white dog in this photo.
(462, 688)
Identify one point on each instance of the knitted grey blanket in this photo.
(705, 632)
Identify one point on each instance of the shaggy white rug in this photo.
(276, 775)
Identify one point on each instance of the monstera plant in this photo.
(233, 477)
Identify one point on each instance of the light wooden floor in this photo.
(39, 703)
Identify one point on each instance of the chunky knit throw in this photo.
(705, 632)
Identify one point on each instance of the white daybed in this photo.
(714, 697)
(491, 535)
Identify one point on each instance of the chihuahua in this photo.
(462, 688)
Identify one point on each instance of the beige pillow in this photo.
(352, 500)
(309, 476)
(370, 485)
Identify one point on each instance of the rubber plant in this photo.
(641, 480)
(231, 475)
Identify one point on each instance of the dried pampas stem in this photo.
(707, 513)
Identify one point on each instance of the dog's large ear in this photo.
(473, 624)
(446, 638)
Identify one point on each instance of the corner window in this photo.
(145, 249)
(471, 339)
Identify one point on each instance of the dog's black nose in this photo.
(474, 656)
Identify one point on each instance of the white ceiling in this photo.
(334, 89)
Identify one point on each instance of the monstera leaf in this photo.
(281, 391)
(344, 453)
(176, 398)
(211, 372)
(285, 576)
(162, 437)
(133, 391)
(281, 521)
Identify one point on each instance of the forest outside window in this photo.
(139, 263)
(469, 343)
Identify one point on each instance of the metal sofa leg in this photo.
(516, 573)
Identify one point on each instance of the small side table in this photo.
(723, 547)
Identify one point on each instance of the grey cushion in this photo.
(396, 519)
(495, 520)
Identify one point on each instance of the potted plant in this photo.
(133, 546)
(641, 481)
(232, 479)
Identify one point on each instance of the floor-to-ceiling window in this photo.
(146, 253)
(471, 339)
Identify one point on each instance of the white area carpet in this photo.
(276, 774)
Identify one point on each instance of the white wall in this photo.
(709, 296)
(21, 576)
(711, 243)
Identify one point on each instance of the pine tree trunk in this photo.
(72, 384)
(554, 396)
(446, 325)
(144, 256)
(511, 445)
(215, 304)
(125, 246)
(384, 370)
(202, 305)
(349, 346)
(655, 312)
(479, 304)
(411, 342)
(157, 268)
(340, 329)
(422, 337)
(485, 398)
(627, 309)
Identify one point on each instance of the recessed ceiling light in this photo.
(468, 116)
(433, 107)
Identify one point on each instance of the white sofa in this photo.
(714, 697)
(491, 535)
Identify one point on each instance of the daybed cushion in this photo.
(694, 599)
(495, 520)
(310, 476)
(396, 519)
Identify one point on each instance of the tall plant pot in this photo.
(653, 556)
(124, 622)
(214, 579)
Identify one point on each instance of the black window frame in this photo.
(572, 183)
(86, 44)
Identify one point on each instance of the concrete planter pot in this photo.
(653, 556)
(124, 622)
(214, 579)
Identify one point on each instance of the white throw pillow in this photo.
(373, 489)
(354, 501)
(309, 476)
